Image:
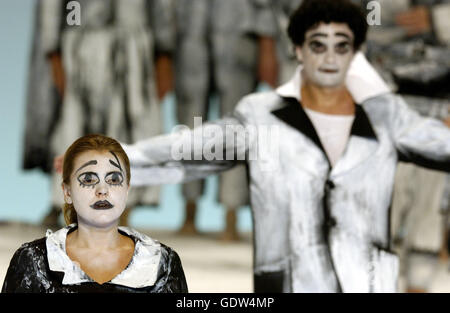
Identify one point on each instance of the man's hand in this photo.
(58, 163)
(57, 72)
(415, 21)
(267, 63)
(164, 75)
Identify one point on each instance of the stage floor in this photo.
(210, 265)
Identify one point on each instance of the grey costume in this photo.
(419, 208)
(282, 10)
(109, 69)
(217, 51)
(42, 99)
(418, 194)
(416, 65)
(388, 32)
(316, 228)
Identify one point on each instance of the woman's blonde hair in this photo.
(83, 144)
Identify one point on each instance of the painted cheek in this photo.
(121, 197)
(311, 64)
(83, 196)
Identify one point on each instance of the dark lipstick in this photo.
(102, 205)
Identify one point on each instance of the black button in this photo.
(329, 184)
(331, 222)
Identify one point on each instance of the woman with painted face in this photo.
(93, 254)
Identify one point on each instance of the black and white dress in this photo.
(43, 266)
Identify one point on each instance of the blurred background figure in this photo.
(411, 50)
(106, 75)
(224, 48)
(282, 10)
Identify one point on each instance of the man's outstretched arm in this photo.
(188, 154)
(420, 140)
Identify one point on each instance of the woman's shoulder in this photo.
(171, 271)
(29, 254)
(35, 247)
(26, 261)
(169, 253)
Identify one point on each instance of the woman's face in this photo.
(98, 188)
(326, 54)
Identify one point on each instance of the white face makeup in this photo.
(326, 54)
(98, 188)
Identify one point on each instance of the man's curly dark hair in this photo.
(312, 12)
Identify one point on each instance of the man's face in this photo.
(98, 188)
(326, 54)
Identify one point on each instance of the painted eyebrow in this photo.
(92, 162)
(114, 163)
(326, 35)
(318, 35)
(343, 35)
(112, 172)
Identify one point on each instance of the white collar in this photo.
(362, 81)
(141, 272)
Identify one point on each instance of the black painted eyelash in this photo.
(116, 185)
(87, 186)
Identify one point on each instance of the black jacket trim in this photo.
(293, 114)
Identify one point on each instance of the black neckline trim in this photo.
(293, 114)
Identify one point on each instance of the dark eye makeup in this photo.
(343, 47)
(114, 178)
(317, 47)
(88, 179)
(340, 48)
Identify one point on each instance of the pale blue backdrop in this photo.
(25, 194)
